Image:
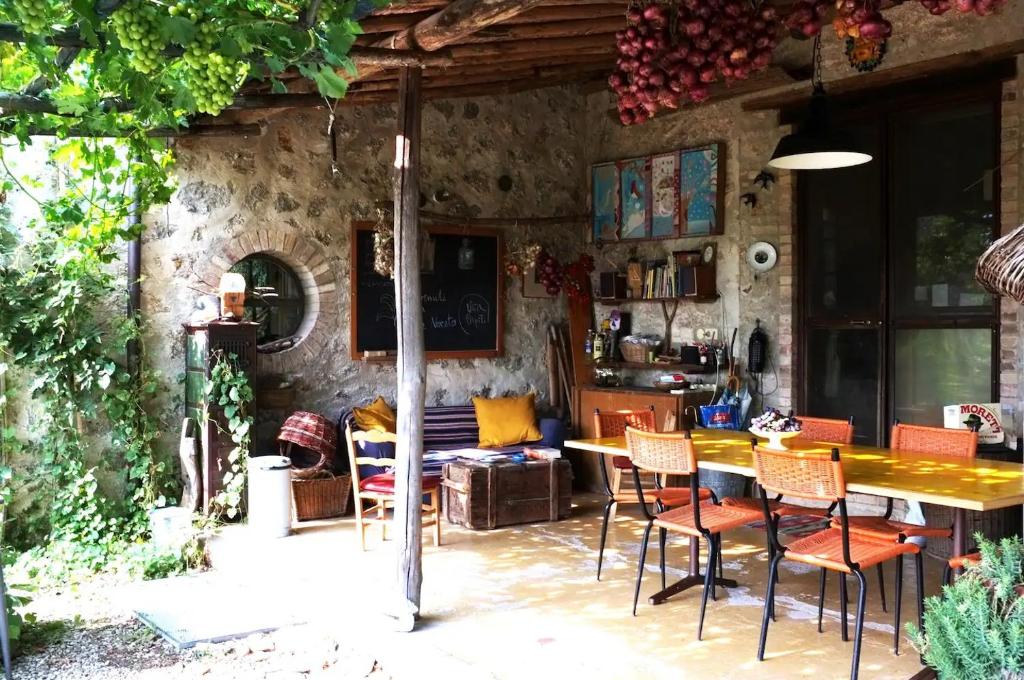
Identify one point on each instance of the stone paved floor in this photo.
(523, 602)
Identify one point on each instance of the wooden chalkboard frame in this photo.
(496, 234)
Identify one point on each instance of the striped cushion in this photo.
(450, 427)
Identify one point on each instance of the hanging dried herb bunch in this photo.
(384, 244)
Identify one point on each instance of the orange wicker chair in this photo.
(380, 489)
(959, 562)
(814, 476)
(673, 453)
(614, 424)
(935, 440)
(812, 429)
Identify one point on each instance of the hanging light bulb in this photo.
(815, 145)
(466, 255)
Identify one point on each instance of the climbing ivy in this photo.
(228, 390)
(97, 76)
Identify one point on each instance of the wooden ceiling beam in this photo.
(447, 26)
(410, 6)
(553, 29)
(504, 65)
(572, 12)
(550, 47)
(389, 23)
(937, 67)
(457, 92)
(542, 74)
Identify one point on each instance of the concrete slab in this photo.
(213, 607)
(523, 602)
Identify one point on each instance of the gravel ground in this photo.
(82, 634)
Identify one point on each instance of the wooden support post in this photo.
(412, 370)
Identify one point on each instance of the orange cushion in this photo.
(385, 483)
(506, 421)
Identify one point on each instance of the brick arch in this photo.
(307, 259)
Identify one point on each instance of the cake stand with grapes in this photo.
(776, 439)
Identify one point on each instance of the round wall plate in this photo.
(762, 256)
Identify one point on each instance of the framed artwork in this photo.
(604, 182)
(633, 198)
(698, 191)
(667, 195)
(664, 195)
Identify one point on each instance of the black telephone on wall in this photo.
(757, 349)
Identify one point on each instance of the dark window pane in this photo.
(842, 232)
(943, 210)
(274, 296)
(940, 366)
(843, 378)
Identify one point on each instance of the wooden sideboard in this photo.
(587, 399)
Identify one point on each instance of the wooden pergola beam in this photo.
(447, 26)
(196, 130)
(461, 91)
(554, 29)
(889, 76)
(375, 56)
(546, 73)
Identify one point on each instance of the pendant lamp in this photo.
(815, 145)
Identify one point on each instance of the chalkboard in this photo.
(462, 307)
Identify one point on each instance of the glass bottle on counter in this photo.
(588, 344)
(598, 346)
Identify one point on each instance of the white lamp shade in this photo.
(232, 282)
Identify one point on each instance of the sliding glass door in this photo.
(892, 324)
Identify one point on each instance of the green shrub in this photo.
(975, 630)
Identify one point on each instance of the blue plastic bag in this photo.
(720, 416)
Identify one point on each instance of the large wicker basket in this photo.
(320, 497)
(1000, 269)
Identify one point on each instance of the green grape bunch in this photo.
(35, 16)
(213, 82)
(137, 26)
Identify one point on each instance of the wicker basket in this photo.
(1000, 269)
(320, 497)
(636, 353)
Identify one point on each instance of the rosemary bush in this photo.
(975, 630)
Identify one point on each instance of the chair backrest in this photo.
(614, 423)
(814, 476)
(938, 440)
(826, 429)
(664, 453)
(358, 438)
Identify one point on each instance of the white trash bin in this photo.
(270, 496)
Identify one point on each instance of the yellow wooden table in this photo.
(961, 484)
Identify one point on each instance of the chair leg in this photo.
(899, 605)
(640, 567)
(604, 535)
(919, 568)
(843, 606)
(769, 601)
(859, 629)
(881, 585)
(616, 484)
(709, 581)
(721, 567)
(5, 640)
(821, 595)
(717, 540)
(435, 503)
(360, 525)
(662, 535)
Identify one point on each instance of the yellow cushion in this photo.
(506, 421)
(377, 416)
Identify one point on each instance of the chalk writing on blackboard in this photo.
(474, 313)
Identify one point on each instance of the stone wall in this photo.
(278, 194)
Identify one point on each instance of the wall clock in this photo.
(762, 256)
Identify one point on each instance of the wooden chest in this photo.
(490, 495)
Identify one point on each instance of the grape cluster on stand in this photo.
(772, 420)
(669, 55)
(137, 27)
(549, 273)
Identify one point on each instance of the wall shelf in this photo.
(689, 298)
(660, 366)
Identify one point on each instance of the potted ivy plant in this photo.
(975, 629)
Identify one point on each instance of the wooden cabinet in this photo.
(587, 399)
(202, 345)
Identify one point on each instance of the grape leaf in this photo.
(177, 29)
(330, 83)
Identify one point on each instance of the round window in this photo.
(274, 299)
